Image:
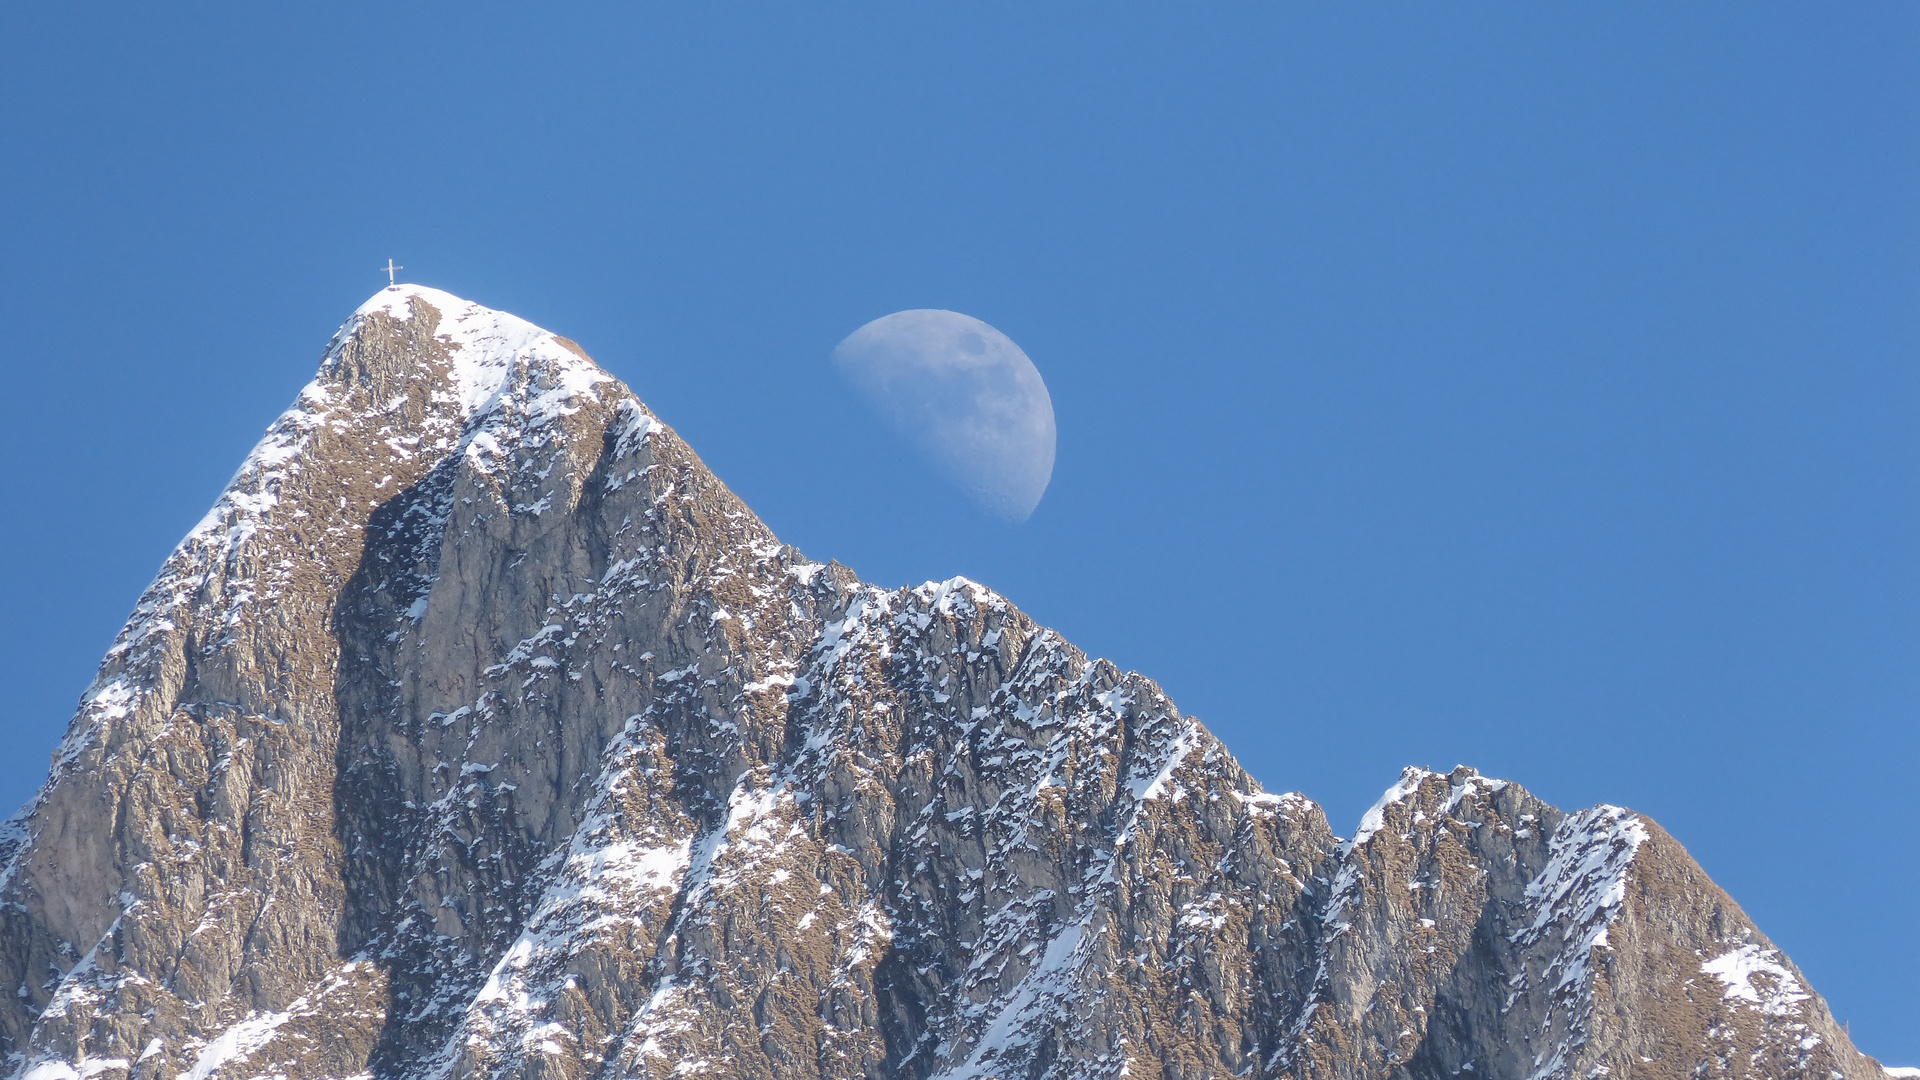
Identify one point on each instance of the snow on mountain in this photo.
(479, 730)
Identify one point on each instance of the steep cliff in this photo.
(479, 730)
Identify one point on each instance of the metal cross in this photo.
(390, 268)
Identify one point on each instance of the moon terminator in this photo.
(965, 395)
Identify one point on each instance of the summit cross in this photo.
(390, 268)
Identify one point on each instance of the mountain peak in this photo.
(480, 731)
(392, 300)
(484, 349)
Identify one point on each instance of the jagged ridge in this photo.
(479, 730)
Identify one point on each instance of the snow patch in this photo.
(1375, 818)
(1149, 790)
(1756, 976)
(237, 1043)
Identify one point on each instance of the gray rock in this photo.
(480, 731)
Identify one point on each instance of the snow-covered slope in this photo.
(480, 731)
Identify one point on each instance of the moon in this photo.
(965, 395)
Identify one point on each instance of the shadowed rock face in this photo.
(479, 730)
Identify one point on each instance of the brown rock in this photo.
(481, 731)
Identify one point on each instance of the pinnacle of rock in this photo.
(480, 731)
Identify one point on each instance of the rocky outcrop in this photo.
(479, 730)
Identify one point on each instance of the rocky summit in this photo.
(480, 731)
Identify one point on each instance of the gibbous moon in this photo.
(964, 394)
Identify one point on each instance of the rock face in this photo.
(480, 731)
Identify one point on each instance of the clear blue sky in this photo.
(1528, 387)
